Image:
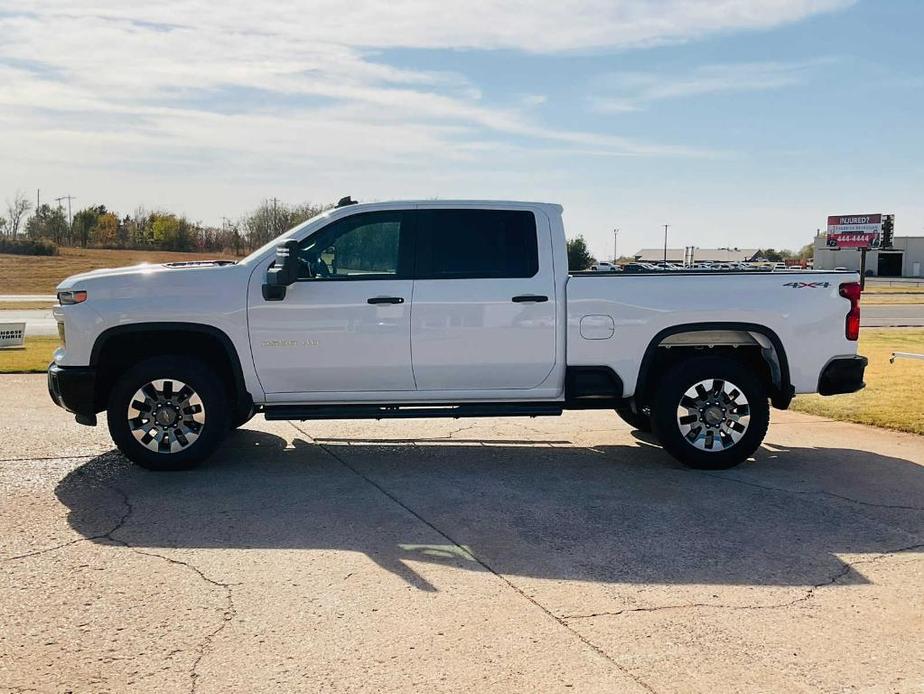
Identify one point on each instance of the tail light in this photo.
(851, 291)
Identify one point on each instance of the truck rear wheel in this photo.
(710, 413)
(168, 413)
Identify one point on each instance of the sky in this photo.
(741, 123)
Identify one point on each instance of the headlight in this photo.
(71, 297)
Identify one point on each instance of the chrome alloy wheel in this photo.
(713, 415)
(166, 415)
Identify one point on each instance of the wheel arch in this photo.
(156, 338)
(724, 334)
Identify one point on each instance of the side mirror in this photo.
(283, 272)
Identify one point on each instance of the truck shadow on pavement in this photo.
(555, 510)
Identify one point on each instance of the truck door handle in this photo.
(530, 298)
(385, 300)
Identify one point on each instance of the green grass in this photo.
(33, 359)
(894, 393)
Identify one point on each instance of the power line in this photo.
(68, 198)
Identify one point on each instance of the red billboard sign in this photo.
(854, 230)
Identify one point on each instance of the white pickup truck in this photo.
(444, 309)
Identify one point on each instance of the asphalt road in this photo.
(562, 554)
(40, 322)
(892, 315)
(27, 298)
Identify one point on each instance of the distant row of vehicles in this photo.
(603, 266)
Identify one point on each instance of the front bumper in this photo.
(74, 389)
(842, 375)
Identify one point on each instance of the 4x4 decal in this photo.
(807, 285)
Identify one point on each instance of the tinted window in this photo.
(476, 243)
(360, 246)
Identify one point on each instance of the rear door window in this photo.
(458, 244)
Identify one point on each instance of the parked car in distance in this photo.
(639, 267)
(443, 309)
(603, 266)
(780, 267)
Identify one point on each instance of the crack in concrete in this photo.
(809, 492)
(560, 621)
(771, 488)
(228, 614)
(50, 457)
(102, 536)
(459, 430)
(809, 593)
(39, 552)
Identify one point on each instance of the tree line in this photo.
(41, 230)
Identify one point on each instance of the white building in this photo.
(904, 259)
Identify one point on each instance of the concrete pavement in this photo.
(490, 555)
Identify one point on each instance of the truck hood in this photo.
(141, 270)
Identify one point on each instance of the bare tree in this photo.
(16, 210)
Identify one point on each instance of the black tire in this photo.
(242, 418)
(673, 388)
(210, 398)
(639, 420)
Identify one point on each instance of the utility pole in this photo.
(68, 198)
(862, 268)
(615, 243)
(665, 242)
(38, 198)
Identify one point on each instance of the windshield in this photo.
(282, 237)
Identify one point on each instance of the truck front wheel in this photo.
(168, 413)
(710, 413)
(639, 420)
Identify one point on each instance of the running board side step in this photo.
(500, 409)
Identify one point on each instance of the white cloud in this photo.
(632, 91)
(565, 25)
(189, 85)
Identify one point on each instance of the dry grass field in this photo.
(28, 274)
(898, 289)
(892, 397)
(26, 305)
(892, 299)
(903, 294)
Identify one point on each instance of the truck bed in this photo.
(800, 307)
